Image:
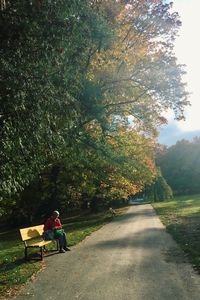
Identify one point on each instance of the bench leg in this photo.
(41, 252)
(26, 253)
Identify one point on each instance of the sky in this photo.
(187, 51)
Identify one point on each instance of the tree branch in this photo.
(127, 102)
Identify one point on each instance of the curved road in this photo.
(130, 258)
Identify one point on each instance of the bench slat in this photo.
(39, 244)
(31, 232)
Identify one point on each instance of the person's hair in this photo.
(55, 213)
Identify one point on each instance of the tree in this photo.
(159, 190)
(139, 74)
(73, 75)
(180, 165)
(43, 61)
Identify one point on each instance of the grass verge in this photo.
(15, 271)
(181, 216)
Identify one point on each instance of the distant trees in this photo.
(159, 190)
(180, 165)
(73, 75)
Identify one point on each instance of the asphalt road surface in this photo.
(130, 258)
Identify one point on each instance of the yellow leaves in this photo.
(129, 71)
(122, 188)
(127, 49)
(111, 141)
(93, 128)
(102, 63)
(150, 164)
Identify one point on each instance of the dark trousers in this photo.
(62, 241)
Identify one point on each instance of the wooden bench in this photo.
(33, 238)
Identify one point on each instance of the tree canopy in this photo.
(84, 85)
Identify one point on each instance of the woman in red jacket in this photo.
(53, 230)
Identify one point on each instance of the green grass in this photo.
(181, 216)
(15, 271)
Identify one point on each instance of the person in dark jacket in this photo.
(53, 230)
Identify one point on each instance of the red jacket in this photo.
(52, 224)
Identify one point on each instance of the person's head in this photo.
(55, 214)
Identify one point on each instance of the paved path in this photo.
(130, 258)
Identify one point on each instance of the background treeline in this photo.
(159, 189)
(180, 166)
(83, 87)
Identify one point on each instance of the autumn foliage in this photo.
(84, 86)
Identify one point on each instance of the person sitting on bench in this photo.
(53, 230)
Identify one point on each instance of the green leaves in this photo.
(41, 71)
(73, 73)
(180, 165)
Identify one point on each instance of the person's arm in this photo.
(57, 224)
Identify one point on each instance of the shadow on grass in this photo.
(12, 235)
(7, 266)
(34, 257)
(85, 224)
(187, 235)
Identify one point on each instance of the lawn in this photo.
(15, 271)
(181, 216)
